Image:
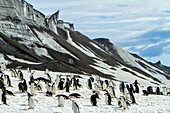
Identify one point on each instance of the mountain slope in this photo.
(29, 39)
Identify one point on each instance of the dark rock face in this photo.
(29, 39)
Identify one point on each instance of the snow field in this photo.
(44, 104)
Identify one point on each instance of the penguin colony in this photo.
(98, 87)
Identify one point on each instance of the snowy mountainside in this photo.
(29, 39)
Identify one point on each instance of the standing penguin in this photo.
(104, 85)
(126, 93)
(13, 73)
(32, 89)
(20, 75)
(121, 87)
(31, 103)
(54, 88)
(96, 87)
(158, 91)
(60, 85)
(164, 91)
(123, 102)
(67, 86)
(93, 99)
(108, 98)
(133, 101)
(75, 107)
(89, 83)
(61, 101)
(112, 91)
(136, 86)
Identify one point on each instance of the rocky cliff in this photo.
(30, 39)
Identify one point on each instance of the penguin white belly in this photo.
(0, 96)
(31, 103)
(164, 92)
(61, 101)
(104, 85)
(124, 105)
(32, 90)
(106, 100)
(54, 89)
(75, 108)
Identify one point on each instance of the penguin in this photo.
(112, 91)
(92, 79)
(8, 81)
(31, 78)
(22, 86)
(67, 86)
(107, 82)
(25, 85)
(96, 87)
(28, 70)
(136, 86)
(145, 92)
(3, 95)
(49, 93)
(74, 81)
(127, 86)
(78, 83)
(48, 87)
(57, 80)
(20, 75)
(9, 93)
(123, 102)
(150, 89)
(32, 89)
(39, 86)
(49, 77)
(104, 85)
(108, 98)
(61, 101)
(97, 78)
(132, 98)
(75, 95)
(46, 71)
(93, 99)
(164, 91)
(89, 83)
(54, 88)
(60, 85)
(126, 93)
(12, 73)
(158, 92)
(75, 107)
(65, 96)
(4, 99)
(1, 82)
(121, 87)
(31, 102)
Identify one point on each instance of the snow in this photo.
(125, 76)
(96, 46)
(49, 41)
(2, 60)
(129, 59)
(80, 47)
(44, 104)
(42, 52)
(21, 60)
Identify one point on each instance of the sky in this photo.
(138, 26)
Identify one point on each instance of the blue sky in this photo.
(138, 26)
